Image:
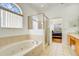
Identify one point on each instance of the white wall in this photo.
(11, 32)
(69, 14)
(55, 21)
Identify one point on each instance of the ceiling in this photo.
(46, 6)
(43, 7)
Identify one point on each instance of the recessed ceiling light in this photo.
(42, 6)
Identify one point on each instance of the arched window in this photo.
(11, 15)
(11, 7)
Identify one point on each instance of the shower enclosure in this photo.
(39, 22)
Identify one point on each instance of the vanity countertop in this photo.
(74, 35)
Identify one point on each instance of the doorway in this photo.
(56, 30)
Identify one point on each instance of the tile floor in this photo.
(58, 49)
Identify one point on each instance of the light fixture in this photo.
(42, 6)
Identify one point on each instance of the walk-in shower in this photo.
(39, 22)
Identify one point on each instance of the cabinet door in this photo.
(77, 47)
(68, 40)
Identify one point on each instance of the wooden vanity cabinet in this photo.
(74, 40)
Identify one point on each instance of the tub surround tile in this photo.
(13, 39)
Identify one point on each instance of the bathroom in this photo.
(25, 28)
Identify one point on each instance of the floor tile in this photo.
(58, 49)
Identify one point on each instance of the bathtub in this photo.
(19, 48)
